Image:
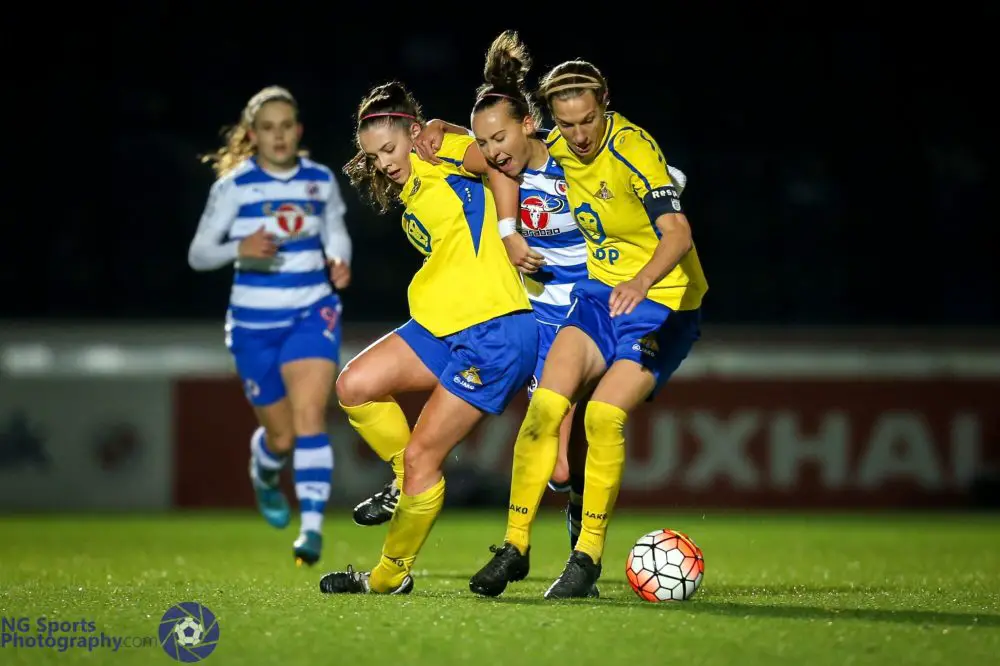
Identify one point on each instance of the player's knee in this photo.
(353, 387)
(280, 440)
(604, 423)
(420, 459)
(545, 414)
(309, 419)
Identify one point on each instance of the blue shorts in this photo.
(546, 336)
(484, 365)
(654, 336)
(260, 353)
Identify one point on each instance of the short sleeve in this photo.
(452, 152)
(649, 175)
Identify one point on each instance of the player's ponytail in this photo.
(388, 104)
(238, 147)
(507, 65)
(572, 79)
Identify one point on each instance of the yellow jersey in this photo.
(616, 197)
(451, 219)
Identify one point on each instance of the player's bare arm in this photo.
(429, 141)
(675, 242)
(507, 194)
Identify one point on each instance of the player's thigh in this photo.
(387, 367)
(650, 349)
(256, 355)
(445, 420)
(546, 336)
(491, 362)
(308, 361)
(574, 363)
(625, 385)
(487, 365)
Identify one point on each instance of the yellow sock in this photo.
(412, 522)
(535, 454)
(605, 426)
(383, 425)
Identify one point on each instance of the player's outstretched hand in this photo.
(429, 141)
(627, 295)
(527, 260)
(340, 273)
(258, 245)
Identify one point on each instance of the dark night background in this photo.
(838, 173)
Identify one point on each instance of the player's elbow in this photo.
(196, 259)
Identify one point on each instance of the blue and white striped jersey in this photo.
(304, 210)
(548, 226)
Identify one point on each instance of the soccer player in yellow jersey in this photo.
(472, 339)
(631, 323)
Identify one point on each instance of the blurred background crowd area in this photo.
(836, 177)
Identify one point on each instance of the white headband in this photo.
(266, 95)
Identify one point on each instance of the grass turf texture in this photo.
(779, 589)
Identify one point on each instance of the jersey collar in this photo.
(282, 176)
(412, 183)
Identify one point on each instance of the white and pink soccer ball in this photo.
(665, 565)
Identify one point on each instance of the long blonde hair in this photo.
(238, 147)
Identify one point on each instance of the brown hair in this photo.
(237, 147)
(507, 64)
(388, 104)
(572, 79)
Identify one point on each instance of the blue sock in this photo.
(313, 472)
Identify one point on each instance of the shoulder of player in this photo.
(228, 182)
(314, 169)
(551, 137)
(455, 145)
(629, 137)
(634, 149)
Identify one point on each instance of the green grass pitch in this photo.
(897, 589)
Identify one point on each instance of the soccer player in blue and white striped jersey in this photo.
(279, 217)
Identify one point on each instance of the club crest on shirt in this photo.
(291, 217)
(603, 192)
(537, 207)
(416, 185)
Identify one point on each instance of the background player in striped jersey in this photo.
(507, 125)
(280, 217)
